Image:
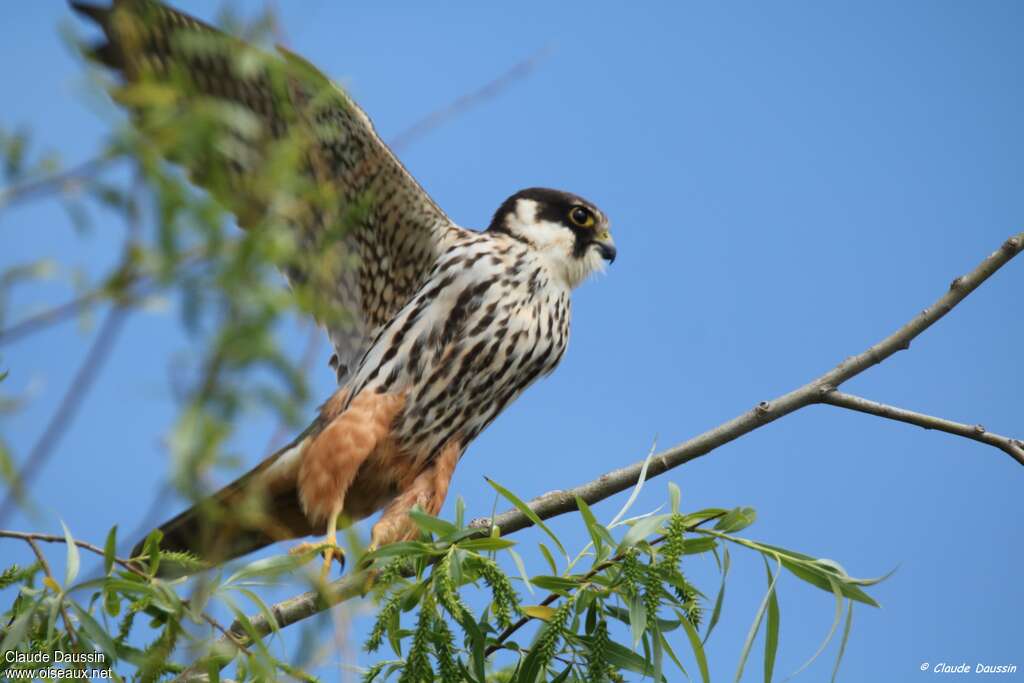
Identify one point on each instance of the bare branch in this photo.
(557, 503)
(84, 545)
(66, 410)
(1012, 447)
(50, 316)
(489, 90)
(65, 181)
(133, 285)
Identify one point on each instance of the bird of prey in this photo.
(447, 325)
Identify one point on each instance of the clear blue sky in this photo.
(788, 182)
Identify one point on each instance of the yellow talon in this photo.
(333, 549)
(328, 547)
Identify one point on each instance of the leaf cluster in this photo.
(610, 611)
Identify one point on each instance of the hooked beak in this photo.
(607, 249)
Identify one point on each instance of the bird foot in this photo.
(328, 548)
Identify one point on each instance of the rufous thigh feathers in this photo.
(427, 489)
(332, 461)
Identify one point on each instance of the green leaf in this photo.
(636, 488)
(410, 549)
(151, 548)
(664, 625)
(269, 567)
(671, 653)
(756, 626)
(486, 544)
(598, 534)
(522, 570)
(555, 583)
(842, 643)
(837, 591)
(735, 520)
(529, 669)
(17, 631)
(250, 629)
(674, 496)
(698, 545)
(816, 576)
(549, 557)
(112, 603)
(771, 633)
(96, 633)
(562, 676)
(530, 514)
(460, 512)
(622, 657)
(542, 612)
(696, 646)
(109, 549)
(716, 612)
(641, 529)
(637, 619)
(431, 524)
(656, 651)
(73, 558)
(268, 616)
(692, 518)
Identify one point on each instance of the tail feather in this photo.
(259, 508)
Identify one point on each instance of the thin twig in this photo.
(58, 182)
(1012, 447)
(134, 286)
(49, 574)
(53, 315)
(66, 410)
(300, 607)
(459, 105)
(84, 545)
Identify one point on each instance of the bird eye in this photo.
(581, 217)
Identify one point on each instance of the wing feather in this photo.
(368, 235)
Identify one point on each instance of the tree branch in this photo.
(66, 410)
(51, 538)
(54, 586)
(64, 181)
(556, 503)
(1012, 447)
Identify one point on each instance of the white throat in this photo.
(554, 244)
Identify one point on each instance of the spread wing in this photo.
(367, 234)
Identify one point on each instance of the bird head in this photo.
(569, 232)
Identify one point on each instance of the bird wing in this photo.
(366, 235)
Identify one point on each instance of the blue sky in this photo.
(788, 183)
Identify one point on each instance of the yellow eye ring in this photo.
(581, 217)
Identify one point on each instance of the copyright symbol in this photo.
(924, 666)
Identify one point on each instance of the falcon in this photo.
(445, 328)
